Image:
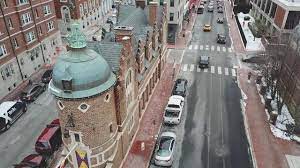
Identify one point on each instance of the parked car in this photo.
(10, 111)
(220, 10)
(32, 161)
(221, 39)
(206, 28)
(47, 76)
(200, 9)
(32, 92)
(210, 8)
(204, 62)
(174, 109)
(165, 149)
(220, 20)
(50, 139)
(202, 3)
(180, 87)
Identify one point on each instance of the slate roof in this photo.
(110, 51)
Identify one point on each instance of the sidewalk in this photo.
(182, 42)
(151, 122)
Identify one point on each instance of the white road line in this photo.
(196, 47)
(219, 70)
(218, 48)
(229, 50)
(224, 49)
(226, 71)
(205, 70)
(235, 66)
(190, 47)
(207, 47)
(212, 69)
(182, 56)
(198, 69)
(192, 67)
(233, 72)
(212, 48)
(185, 67)
(201, 47)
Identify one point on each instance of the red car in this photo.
(32, 161)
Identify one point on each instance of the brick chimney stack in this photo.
(153, 12)
(122, 31)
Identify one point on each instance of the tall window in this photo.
(30, 37)
(9, 22)
(47, 10)
(36, 13)
(171, 16)
(3, 3)
(81, 10)
(65, 13)
(26, 18)
(3, 51)
(21, 2)
(50, 25)
(15, 43)
(172, 3)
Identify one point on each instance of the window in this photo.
(3, 51)
(111, 128)
(36, 12)
(77, 137)
(81, 10)
(9, 22)
(50, 25)
(21, 2)
(22, 61)
(171, 16)
(3, 75)
(40, 30)
(172, 3)
(67, 85)
(63, 0)
(26, 18)
(83, 107)
(47, 10)
(30, 36)
(3, 3)
(15, 43)
(60, 105)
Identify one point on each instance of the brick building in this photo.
(90, 14)
(103, 88)
(29, 38)
(279, 16)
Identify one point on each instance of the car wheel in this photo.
(7, 126)
(24, 109)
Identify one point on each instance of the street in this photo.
(19, 140)
(211, 133)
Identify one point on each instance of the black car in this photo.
(180, 87)
(47, 76)
(221, 39)
(220, 20)
(204, 62)
(32, 92)
(33, 161)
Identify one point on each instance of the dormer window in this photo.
(67, 85)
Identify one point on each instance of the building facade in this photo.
(90, 14)
(103, 88)
(29, 39)
(280, 17)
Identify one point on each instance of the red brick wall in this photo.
(279, 16)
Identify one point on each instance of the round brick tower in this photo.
(83, 85)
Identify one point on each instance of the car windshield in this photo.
(173, 106)
(179, 87)
(42, 144)
(164, 146)
(207, 25)
(172, 113)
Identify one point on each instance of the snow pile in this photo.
(253, 44)
(279, 133)
(284, 118)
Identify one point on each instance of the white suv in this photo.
(174, 110)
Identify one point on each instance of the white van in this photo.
(10, 111)
(174, 110)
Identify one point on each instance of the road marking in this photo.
(235, 66)
(198, 69)
(190, 47)
(229, 50)
(224, 49)
(196, 47)
(207, 47)
(205, 70)
(201, 47)
(218, 48)
(212, 48)
(219, 70)
(212, 69)
(226, 71)
(192, 67)
(185, 67)
(182, 56)
(233, 72)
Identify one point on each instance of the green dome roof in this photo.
(87, 71)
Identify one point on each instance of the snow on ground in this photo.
(284, 118)
(253, 44)
(279, 133)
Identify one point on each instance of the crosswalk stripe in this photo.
(198, 69)
(218, 48)
(226, 71)
(219, 70)
(190, 47)
(196, 47)
(192, 67)
(212, 69)
(201, 47)
(205, 70)
(224, 49)
(185, 67)
(233, 72)
(229, 50)
(207, 47)
(235, 66)
(212, 48)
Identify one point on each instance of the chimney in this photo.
(122, 31)
(140, 3)
(153, 12)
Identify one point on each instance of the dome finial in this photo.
(76, 39)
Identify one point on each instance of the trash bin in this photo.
(273, 117)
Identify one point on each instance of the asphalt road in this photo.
(211, 133)
(18, 142)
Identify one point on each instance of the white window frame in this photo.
(30, 37)
(3, 50)
(47, 10)
(26, 18)
(22, 2)
(50, 26)
(15, 43)
(63, 0)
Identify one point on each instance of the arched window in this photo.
(65, 13)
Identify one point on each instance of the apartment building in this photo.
(90, 14)
(29, 39)
(279, 16)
